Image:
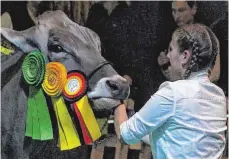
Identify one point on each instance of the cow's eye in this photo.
(56, 48)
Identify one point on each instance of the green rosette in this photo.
(38, 122)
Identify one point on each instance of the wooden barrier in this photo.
(122, 151)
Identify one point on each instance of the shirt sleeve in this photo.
(146, 139)
(153, 114)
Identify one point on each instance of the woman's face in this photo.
(175, 58)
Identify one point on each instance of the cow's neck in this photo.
(10, 65)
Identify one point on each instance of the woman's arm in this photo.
(153, 114)
(120, 116)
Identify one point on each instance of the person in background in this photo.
(185, 118)
(184, 13)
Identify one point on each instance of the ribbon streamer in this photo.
(88, 117)
(6, 51)
(54, 82)
(86, 135)
(75, 91)
(38, 122)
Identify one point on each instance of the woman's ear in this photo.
(185, 57)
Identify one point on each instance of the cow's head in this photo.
(78, 48)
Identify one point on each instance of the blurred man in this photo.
(184, 13)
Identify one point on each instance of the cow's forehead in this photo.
(52, 20)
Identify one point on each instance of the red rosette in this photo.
(76, 86)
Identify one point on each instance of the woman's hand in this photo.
(162, 58)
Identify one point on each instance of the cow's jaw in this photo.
(105, 103)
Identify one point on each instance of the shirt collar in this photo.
(199, 75)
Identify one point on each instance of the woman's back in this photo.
(198, 124)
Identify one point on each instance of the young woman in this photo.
(185, 118)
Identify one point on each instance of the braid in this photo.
(203, 44)
(188, 71)
(195, 60)
(215, 48)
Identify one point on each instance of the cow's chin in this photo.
(105, 103)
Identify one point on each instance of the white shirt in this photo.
(185, 119)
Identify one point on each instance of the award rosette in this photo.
(38, 122)
(53, 85)
(76, 86)
(74, 92)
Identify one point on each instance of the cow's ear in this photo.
(15, 40)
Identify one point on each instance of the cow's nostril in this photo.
(112, 85)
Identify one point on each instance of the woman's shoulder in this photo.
(181, 88)
(178, 84)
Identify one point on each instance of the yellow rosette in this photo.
(54, 82)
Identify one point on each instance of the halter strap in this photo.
(99, 67)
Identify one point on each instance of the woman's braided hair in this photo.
(203, 44)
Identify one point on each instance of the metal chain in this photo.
(103, 137)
